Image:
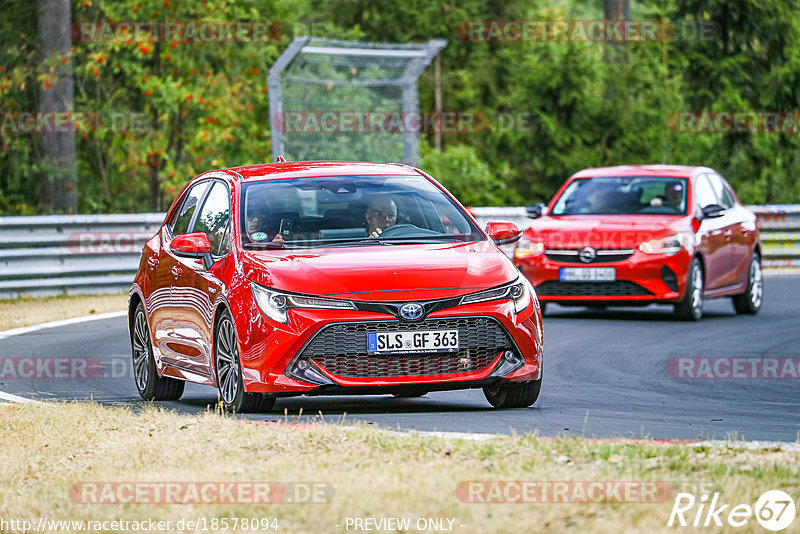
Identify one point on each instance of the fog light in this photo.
(510, 356)
(302, 365)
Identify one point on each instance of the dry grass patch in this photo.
(28, 311)
(46, 449)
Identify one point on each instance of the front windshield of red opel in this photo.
(625, 195)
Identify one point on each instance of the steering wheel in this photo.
(405, 230)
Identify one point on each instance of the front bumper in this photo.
(270, 352)
(640, 279)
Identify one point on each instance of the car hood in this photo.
(604, 231)
(383, 273)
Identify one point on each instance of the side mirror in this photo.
(195, 245)
(503, 232)
(536, 210)
(712, 211)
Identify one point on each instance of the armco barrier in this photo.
(77, 254)
(780, 230)
(80, 254)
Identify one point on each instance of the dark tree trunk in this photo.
(616, 10)
(59, 193)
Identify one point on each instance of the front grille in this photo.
(619, 288)
(603, 256)
(341, 348)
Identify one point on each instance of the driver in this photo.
(673, 196)
(381, 213)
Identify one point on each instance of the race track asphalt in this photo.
(605, 375)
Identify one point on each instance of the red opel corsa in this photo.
(638, 235)
(320, 278)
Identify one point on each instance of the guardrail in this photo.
(81, 254)
(780, 230)
(76, 254)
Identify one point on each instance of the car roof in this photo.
(301, 169)
(676, 171)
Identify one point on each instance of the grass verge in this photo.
(47, 449)
(27, 311)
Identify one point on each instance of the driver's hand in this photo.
(656, 201)
(376, 233)
(278, 238)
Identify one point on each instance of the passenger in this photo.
(596, 200)
(257, 218)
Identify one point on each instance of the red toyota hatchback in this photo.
(320, 278)
(638, 235)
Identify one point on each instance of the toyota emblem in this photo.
(411, 311)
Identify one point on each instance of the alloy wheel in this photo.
(227, 361)
(141, 352)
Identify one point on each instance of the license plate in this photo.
(587, 274)
(412, 341)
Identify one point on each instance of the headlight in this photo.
(274, 303)
(527, 248)
(668, 246)
(519, 291)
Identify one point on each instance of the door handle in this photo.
(176, 271)
(152, 261)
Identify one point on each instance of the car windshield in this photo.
(626, 195)
(365, 210)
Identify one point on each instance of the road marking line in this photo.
(64, 322)
(19, 400)
(53, 324)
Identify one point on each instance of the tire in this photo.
(513, 395)
(229, 372)
(150, 386)
(749, 302)
(543, 307)
(691, 307)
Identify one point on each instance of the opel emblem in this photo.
(411, 311)
(587, 255)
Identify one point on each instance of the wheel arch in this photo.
(222, 307)
(135, 300)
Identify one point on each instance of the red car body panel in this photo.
(182, 299)
(724, 244)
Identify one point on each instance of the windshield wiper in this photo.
(366, 241)
(426, 239)
(268, 245)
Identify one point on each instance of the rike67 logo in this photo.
(774, 510)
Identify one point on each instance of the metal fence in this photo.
(347, 100)
(81, 254)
